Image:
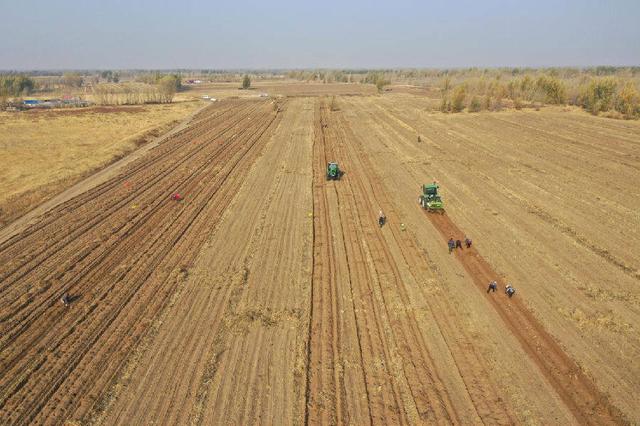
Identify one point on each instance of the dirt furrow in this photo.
(75, 335)
(490, 408)
(120, 199)
(239, 305)
(586, 402)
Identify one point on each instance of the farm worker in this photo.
(452, 245)
(459, 244)
(381, 218)
(176, 197)
(510, 290)
(65, 299)
(493, 286)
(467, 241)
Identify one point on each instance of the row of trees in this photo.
(137, 93)
(595, 94)
(322, 76)
(110, 76)
(377, 79)
(16, 85)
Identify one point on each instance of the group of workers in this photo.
(493, 285)
(509, 290)
(455, 244)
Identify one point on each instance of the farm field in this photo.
(275, 87)
(269, 294)
(46, 151)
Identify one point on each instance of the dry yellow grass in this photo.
(46, 151)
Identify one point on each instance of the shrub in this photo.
(246, 82)
(552, 88)
(599, 94)
(475, 105)
(486, 104)
(380, 83)
(628, 101)
(459, 95)
(445, 105)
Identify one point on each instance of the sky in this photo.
(198, 34)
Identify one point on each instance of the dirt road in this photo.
(271, 295)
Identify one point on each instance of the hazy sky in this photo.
(326, 33)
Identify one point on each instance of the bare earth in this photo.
(270, 295)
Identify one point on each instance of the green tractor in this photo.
(430, 200)
(333, 171)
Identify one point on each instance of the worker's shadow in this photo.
(72, 298)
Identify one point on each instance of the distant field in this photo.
(274, 88)
(46, 151)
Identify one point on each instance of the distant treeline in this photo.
(106, 87)
(609, 90)
(15, 85)
(148, 88)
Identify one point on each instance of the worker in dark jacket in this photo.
(452, 245)
(510, 290)
(381, 218)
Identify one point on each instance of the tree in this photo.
(72, 79)
(246, 82)
(380, 83)
(16, 85)
(168, 85)
(599, 94)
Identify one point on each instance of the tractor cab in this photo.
(430, 190)
(430, 200)
(333, 171)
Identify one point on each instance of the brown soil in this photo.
(271, 295)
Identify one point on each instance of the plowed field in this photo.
(270, 295)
